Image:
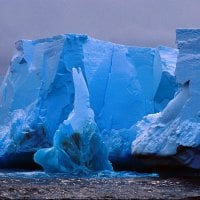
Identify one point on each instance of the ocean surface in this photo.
(103, 174)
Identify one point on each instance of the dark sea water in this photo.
(103, 174)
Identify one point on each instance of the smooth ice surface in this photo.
(37, 94)
(178, 125)
(77, 144)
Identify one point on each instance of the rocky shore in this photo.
(100, 188)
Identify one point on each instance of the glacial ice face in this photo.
(36, 80)
(165, 84)
(127, 80)
(77, 144)
(109, 70)
(37, 93)
(135, 96)
(178, 125)
(149, 91)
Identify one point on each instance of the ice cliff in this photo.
(40, 100)
(174, 133)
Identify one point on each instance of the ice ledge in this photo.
(174, 132)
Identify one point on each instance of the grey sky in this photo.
(133, 22)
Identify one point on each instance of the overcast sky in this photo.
(133, 22)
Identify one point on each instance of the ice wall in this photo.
(37, 93)
(36, 80)
(156, 79)
(175, 131)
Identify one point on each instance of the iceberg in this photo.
(38, 96)
(35, 80)
(77, 146)
(161, 89)
(173, 135)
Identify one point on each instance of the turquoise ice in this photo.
(37, 95)
(176, 130)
